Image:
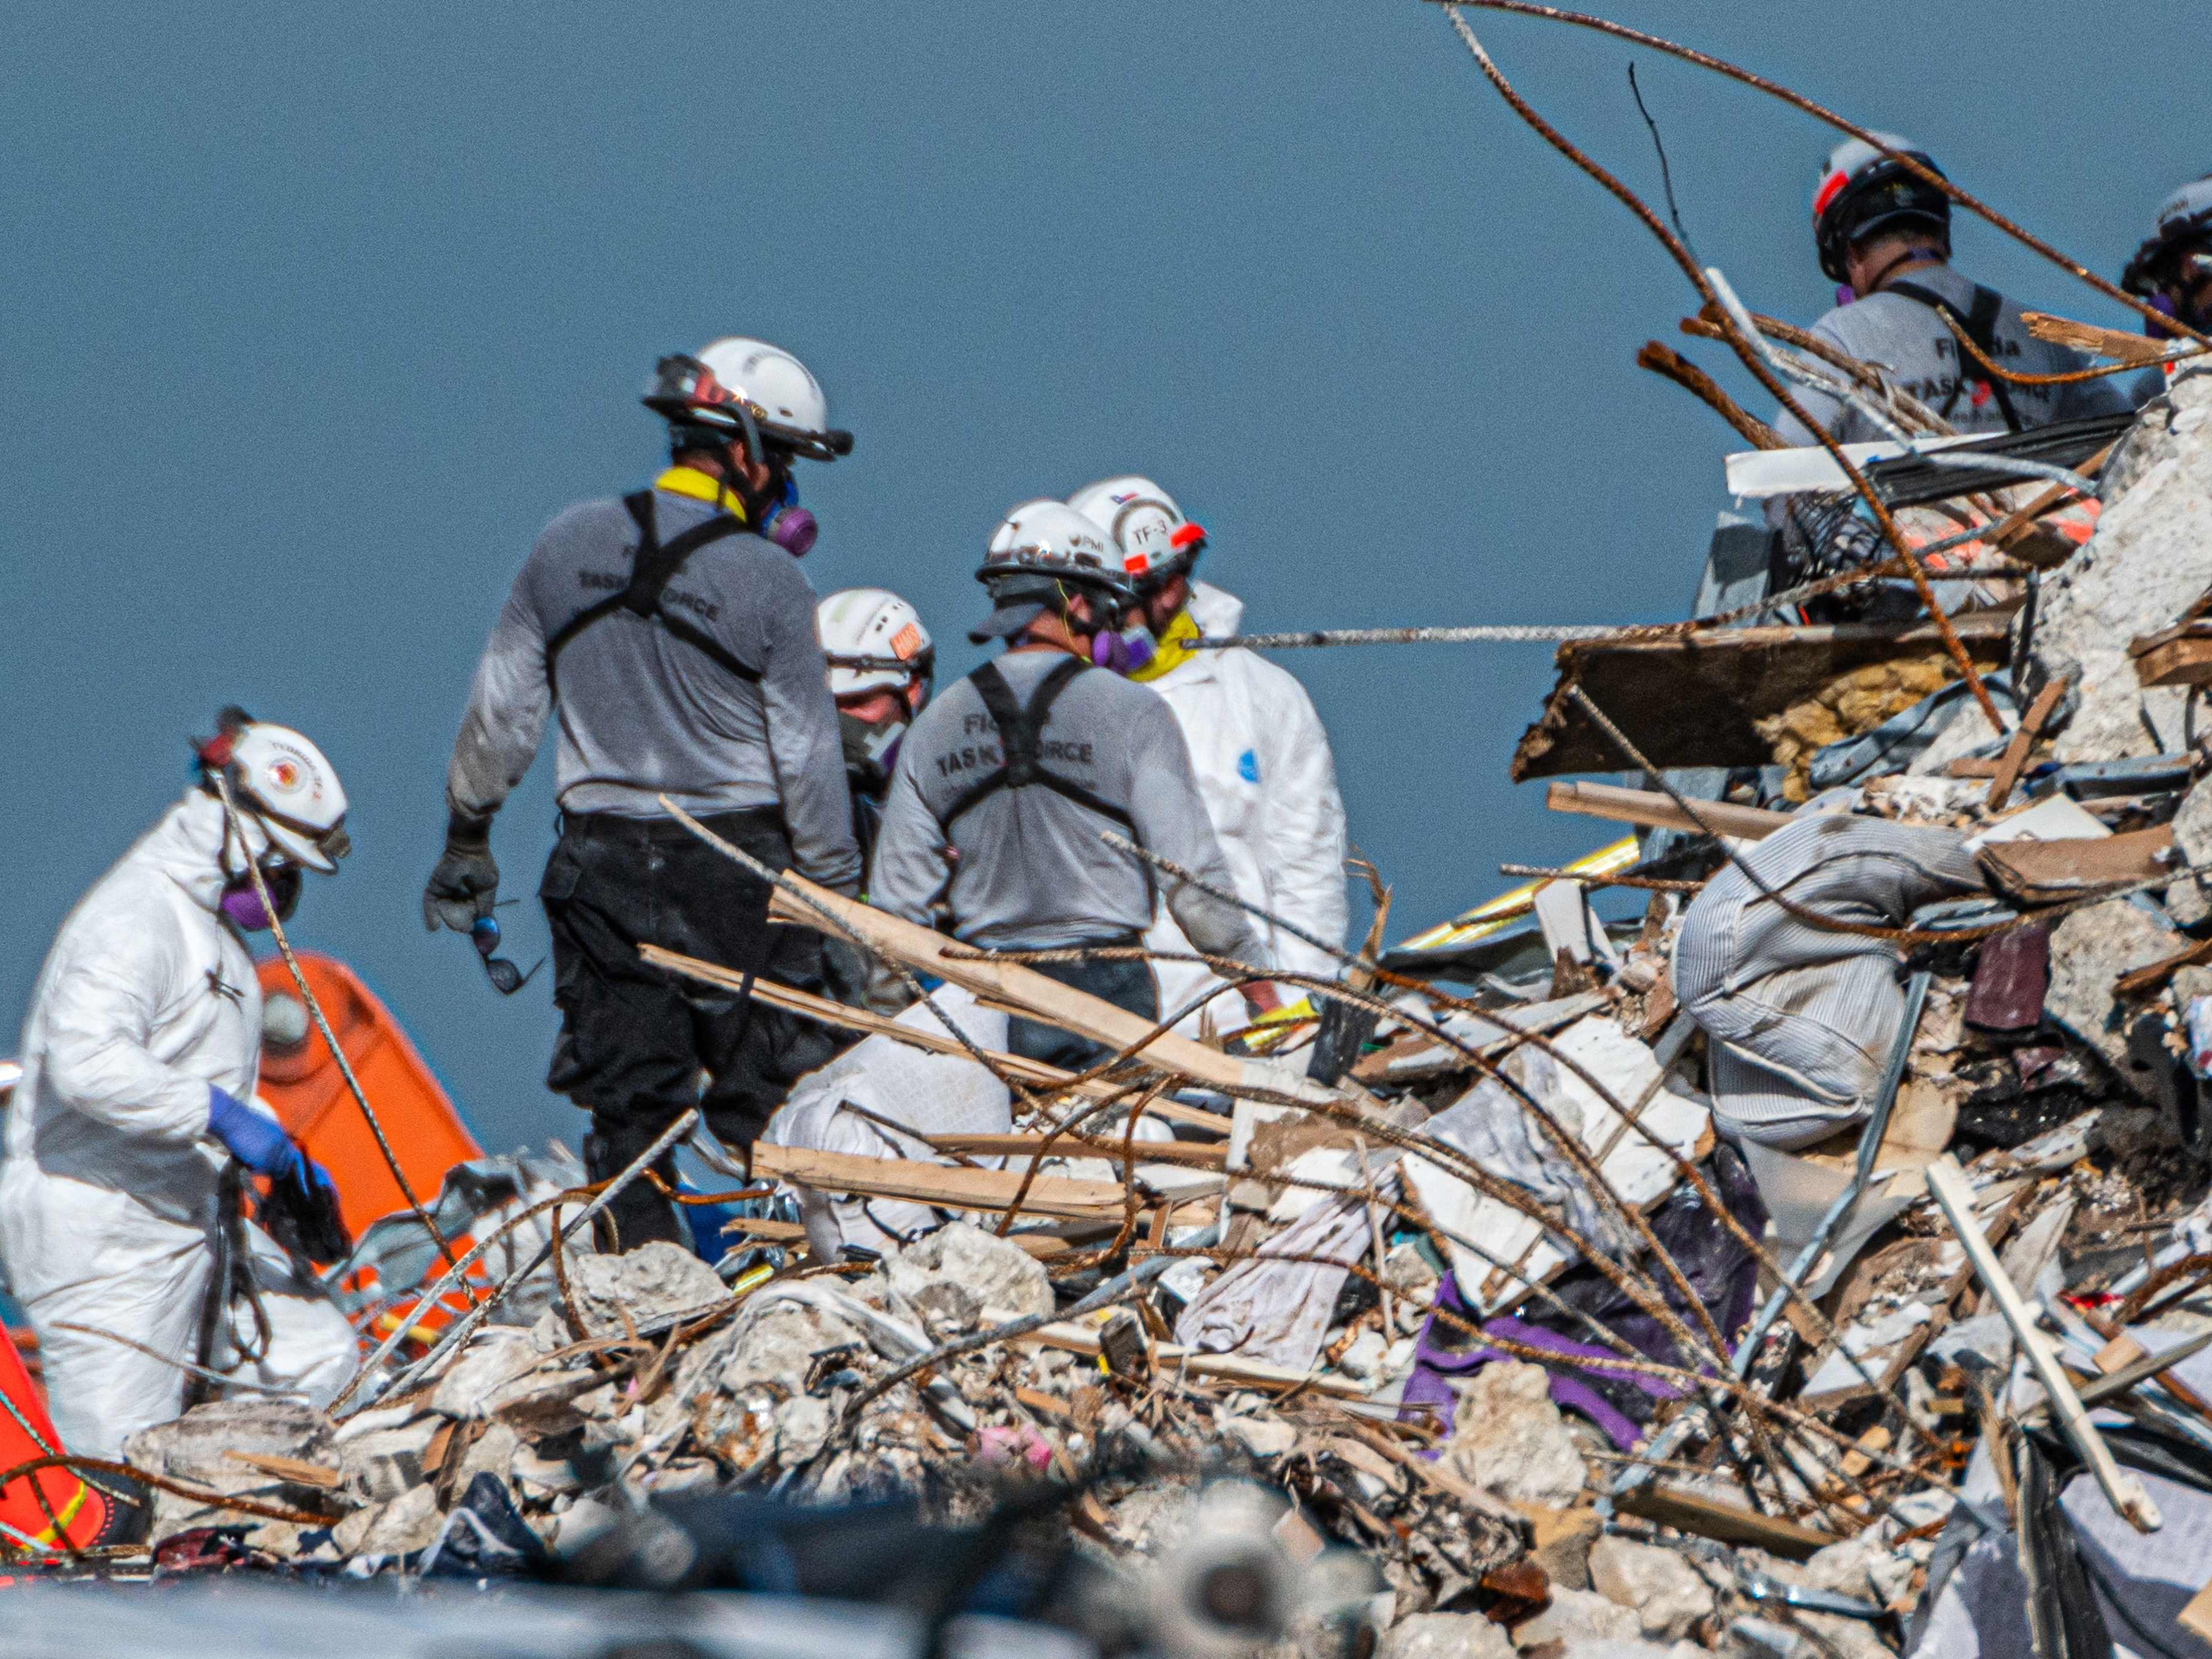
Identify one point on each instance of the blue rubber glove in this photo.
(259, 1142)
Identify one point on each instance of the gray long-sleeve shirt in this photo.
(1908, 342)
(1029, 871)
(643, 713)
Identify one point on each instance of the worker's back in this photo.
(1907, 339)
(1030, 868)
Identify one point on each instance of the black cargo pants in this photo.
(1127, 984)
(638, 1045)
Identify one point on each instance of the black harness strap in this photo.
(653, 567)
(1021, 744)
(1979, 325)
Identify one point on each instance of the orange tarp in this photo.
(303, 1084)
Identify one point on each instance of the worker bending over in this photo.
(1884, 234)
(882, 664)
(1008, 778)
(140, 1053)
(2173, 270)
(674, 632)
(1257, 748)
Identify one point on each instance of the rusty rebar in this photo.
(1665, 361)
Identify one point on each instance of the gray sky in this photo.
(314, 315)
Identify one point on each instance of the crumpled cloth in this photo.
(1801, 1017)
(1278, 1311)
(932, 1094)
(1724, 1275)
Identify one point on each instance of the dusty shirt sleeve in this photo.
(1171, 820)
(100, 1014)
(910, 871)
(508, 701)
(803, 742)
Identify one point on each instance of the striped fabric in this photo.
(1799, 1019)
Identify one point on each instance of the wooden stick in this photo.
(1947, 1181)
(2023, 739)
(1083, 1339)
(1653, 810)
(1214, 1157)
(1045, 999)
(2135, 349)
(830, 1012)
(2144, 981)
(954, 1188)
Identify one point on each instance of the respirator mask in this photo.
(241, 903)
(871, 748)
(1124, 650)
(787, 524)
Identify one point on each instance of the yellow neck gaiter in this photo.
(701, 486)
(1174, 648)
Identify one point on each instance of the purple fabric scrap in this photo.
(1434, 1363)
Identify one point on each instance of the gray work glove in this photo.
(845, 967)
(466, 885)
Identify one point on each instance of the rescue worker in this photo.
(2172, 270)
(1257, 748)
(1883, 233)
(1007, 778)
(882, 665)
(673, 631)
(140, 1052)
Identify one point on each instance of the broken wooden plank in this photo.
(2181, 655)
(2034, 872)
(1694, 699)
(2015, 758)
(954, 1188)
(1041, 997)
(831, 1012)
(757, 1226)
(292, 1470)
(1709, 1517)
(1654, 810)
(2137, 351)
(1083, 1339)
(2144, 981)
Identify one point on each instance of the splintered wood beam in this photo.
(954, 1188)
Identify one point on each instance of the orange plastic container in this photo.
(302, 1083)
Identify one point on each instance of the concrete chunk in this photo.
(1444, 1636)
(1663, 1590)
(650, 1282)
(960, 1273)
(1509, 1438)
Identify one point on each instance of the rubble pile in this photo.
(1646, 1300)
(1809, 1256)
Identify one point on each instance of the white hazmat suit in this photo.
(107, 1194)
(1270, 783)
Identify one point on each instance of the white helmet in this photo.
(1038, 551)
(2175, 255)
(874, 641)
(1154, 539)
(286, 790)
(738, 385)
